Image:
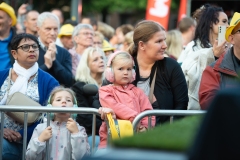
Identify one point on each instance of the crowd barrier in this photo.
(82, 110)
(171, 113)
(47, 110)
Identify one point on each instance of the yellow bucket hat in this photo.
(107, 46)
(66, 30)
(10, 11)
(119, 128)
(234, 22)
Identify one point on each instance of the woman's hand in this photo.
(11, 135)
(104, 111)
(46, 134)
(219, 50)
(72, 126)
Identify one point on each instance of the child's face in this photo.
(62, 99)
(122, 72)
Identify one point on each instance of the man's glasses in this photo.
(238, 31)
(26, 47)
(87, 33)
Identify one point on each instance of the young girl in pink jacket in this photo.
(125, 99)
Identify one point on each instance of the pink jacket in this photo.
(127, 103)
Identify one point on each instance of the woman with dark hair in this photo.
(25, 77)
(203, 50)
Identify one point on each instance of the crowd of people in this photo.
(134, 68)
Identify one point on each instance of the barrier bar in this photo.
(25, 135)
(44, 109)
(164, 113)
(47, 143)
(93, 133)
(1, 135)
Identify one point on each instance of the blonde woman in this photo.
(128, 40)
(89, 71)
(98, 39)
(174, 43)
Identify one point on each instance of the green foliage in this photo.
(97, 6)
(172, 137)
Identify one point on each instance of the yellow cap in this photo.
(10, 11)
(107, 46)
(234, 22)
(66, 30)
(124, 128)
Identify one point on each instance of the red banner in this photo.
(182, 9)
(159, 11)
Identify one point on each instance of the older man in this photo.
(222, 73)
(30, 22)
(52, 58)
(82, 38)
(7, 20)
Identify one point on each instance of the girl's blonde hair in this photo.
(123, 57)
(83, 72)
(174, 43)
(59, 89)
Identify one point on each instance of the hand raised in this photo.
(72, 126)
(22, 9)
(219, 50)
(48, 59)
(46, 134)
(52, 48)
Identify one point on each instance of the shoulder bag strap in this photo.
(150, 97)
(9, 80)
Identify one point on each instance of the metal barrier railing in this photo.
(47, 110)
(151, 113)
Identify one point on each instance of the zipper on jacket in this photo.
(57, 148)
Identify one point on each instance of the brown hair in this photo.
(144, 31)
(59, 89)
(126, 28)
(185, 24)
(198, 13)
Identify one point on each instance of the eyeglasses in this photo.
(87, 33)
(97, 43)
(238, 31)
(26, 47)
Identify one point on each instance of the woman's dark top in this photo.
(170, 87)
(84, 100)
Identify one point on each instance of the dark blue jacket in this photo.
(61, 69)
